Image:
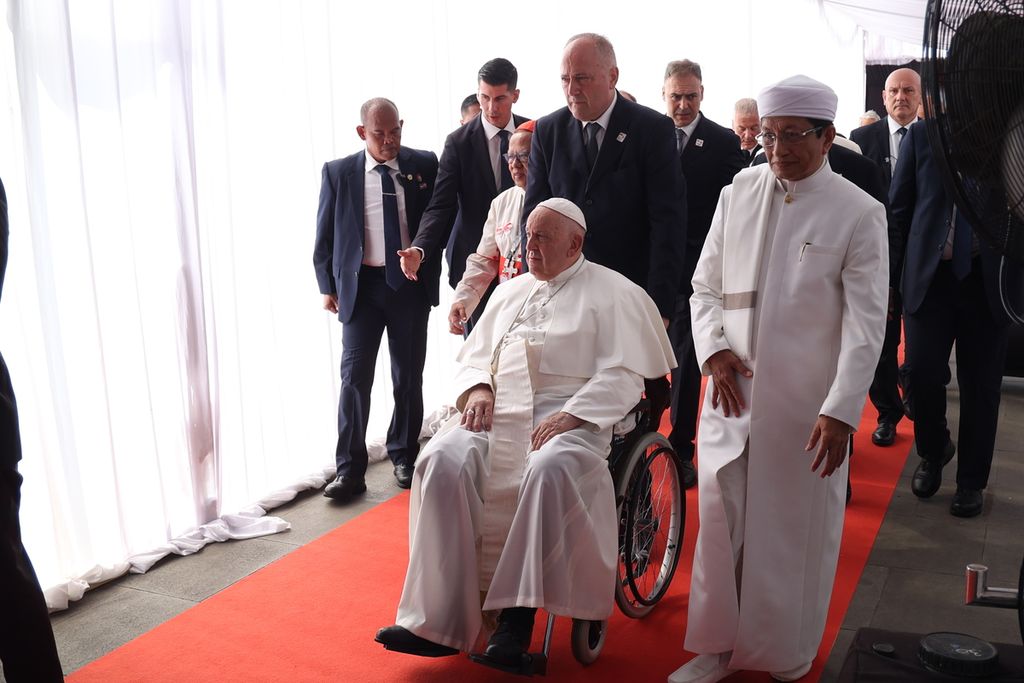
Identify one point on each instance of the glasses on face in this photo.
(511, 158)
(790, 137)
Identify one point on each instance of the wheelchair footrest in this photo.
(531, 663)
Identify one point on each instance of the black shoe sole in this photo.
(345, 497)
(434, 651)
(527, 666)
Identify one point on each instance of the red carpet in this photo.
(311, 616)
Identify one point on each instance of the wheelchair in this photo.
(651, 505)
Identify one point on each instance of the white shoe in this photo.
(793, 674)
(703, 669)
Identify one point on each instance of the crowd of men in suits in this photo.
(648, 184)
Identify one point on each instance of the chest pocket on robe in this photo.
(814, 271)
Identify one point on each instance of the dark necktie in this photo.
(590, 133)
(680, 141)
(506, 176)
(961, 245)
(901, 131)
(392, 233)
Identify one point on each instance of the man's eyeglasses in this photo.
(790, 137)
(521, 157)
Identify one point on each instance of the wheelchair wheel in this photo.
(651, 512)
(587, 640)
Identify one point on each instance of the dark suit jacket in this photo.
(465, 189)
(711, 158)
(10, 439)
(865, 174)
(923, 210)
(340, 228)
(634, 200)
(874, 144)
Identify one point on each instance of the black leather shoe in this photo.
(689, 474)
(403, 640)
(403, 475)
(343, 488)
(884, 434)
(507, 648)
(928, 475)
(966, 502)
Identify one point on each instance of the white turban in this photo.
(566, 208)
(798, 96)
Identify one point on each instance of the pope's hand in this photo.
(331, 303)
(478, 415)
(724, 366)
(832, 437)
(457, 318)
(552, 426)
(410, 261)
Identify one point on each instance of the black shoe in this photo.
(689, 473)
(400, 639)
(343, 488)
(966, 502)
(928, 475)
(884, 434)
(403, 475)
(507, 647)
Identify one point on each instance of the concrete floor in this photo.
(913, 581)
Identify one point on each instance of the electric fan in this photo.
(973, 87)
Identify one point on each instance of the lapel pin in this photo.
(699, 142)
(620, 137)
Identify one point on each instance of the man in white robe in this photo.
(514, 501)
(788, 312)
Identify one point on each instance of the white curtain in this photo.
(175, 374)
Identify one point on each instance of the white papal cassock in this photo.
(807, 314)
(533, 529)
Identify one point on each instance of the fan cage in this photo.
(973, 82)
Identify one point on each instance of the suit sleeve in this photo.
(538, 187)
(666, 202)
(323, 248)
(439, 216)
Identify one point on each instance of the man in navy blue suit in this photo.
(617, 161)
(950, 293)
(27, 649)
(371, 204)
(709, 155)
(880, 142)
(471, 175)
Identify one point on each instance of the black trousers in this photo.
(686, 380)
(884, 392)
(955, 310)
(27, 649)
(403, 314)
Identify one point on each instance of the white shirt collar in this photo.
(566, 274)
(691, 126)
(372, 164)
(604, 118)
(894, 125)
(490, 130)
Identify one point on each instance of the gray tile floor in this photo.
(913, 580)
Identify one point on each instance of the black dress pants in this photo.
(956, 310)
(884, 391)
(27, 649)
(403, 314)
(686, 381)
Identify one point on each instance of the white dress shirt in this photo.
(894, 141)
(603, 120)
(494, 145)
(373, 212)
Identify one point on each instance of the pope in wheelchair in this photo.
(512, 502)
